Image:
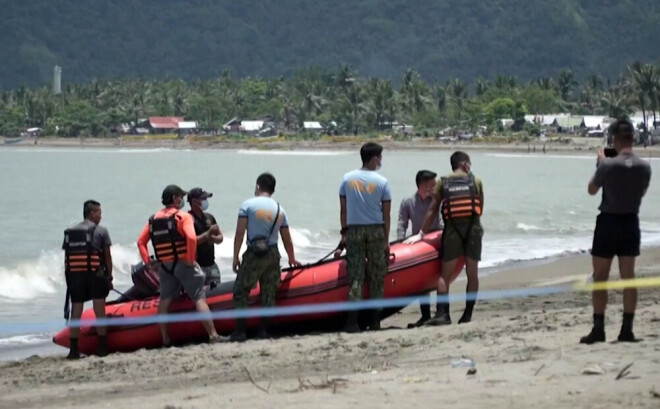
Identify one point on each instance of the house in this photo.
(593, 122)
(164, 124)
(505, 123)
(567, 124)
(233, 125)
(312, 126)
(251, 127)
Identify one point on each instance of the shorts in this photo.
(616, 235)
(87, 286)
(453, 245)
(190, 278)
(212, 273)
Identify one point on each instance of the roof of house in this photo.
(568, 121)
(233, 121)
(593, 121)
(187, 125)
(250, 126)
(312, 125)
(165, 122)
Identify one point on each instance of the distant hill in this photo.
(438, 38)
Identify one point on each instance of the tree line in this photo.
(354, 103)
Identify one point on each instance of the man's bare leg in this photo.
(601, 267)
(472, 270)
(163, 308)
(627, 271)
(99, 312)
(74, 332)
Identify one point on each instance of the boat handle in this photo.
(392, 258)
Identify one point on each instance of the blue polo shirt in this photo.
(365, 191)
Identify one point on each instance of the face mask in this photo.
(205, 204)
(182, 205)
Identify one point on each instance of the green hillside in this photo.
(440, 39)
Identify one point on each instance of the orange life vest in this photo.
(80, 255)
(168, 243)
(461, 199)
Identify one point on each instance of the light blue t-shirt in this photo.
(260, 212)
(365, 191)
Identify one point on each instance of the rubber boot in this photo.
(73, 349)
(374, 322)
(597, 333)
(467, 314)
(102, 346)
(441, 315)
(351, 326)
(239, 333)
(262, 331)
(626, 334)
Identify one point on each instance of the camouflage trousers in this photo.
(212, 273)
(253, 269)
(365, 245)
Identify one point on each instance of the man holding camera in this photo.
(624, 178)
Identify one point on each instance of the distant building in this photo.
(312, 126)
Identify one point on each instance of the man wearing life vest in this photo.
(172, 235)
(208, 233)
(263, 219)
(461, 197)
(88, 272)
(365, 201)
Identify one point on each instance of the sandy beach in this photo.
(526, 352)
(564, 145)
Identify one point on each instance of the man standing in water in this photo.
(88, 272)
(461, 196)
(413, 210)
(208, 233)
(365, 201)
(172, 235)
(624, 179)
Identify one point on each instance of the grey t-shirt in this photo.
(101, 236)
(624, 180)
(414, 209)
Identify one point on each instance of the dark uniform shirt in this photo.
(205, 251)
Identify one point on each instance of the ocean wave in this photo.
(45, 274)
(296, 152)
(28, 339)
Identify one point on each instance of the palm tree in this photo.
(481, 86)
(645, 78)
(345, 78)
(459, 91)
(565, 84)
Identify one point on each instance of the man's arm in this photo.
(387, 206)
(342, 213)
(288, 246)
(596, 181)
(188, 231)
(402, 222)
(108, 261)
(431, 214)
(241, 226)
(142, 241)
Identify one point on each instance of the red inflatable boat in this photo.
(413, 269)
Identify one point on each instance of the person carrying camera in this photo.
(624, 179)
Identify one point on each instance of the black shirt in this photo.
(205, 251)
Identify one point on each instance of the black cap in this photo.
(170, 191)
(198, 193)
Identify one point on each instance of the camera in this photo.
(610, 152)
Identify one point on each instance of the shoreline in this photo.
(577, 145)
(493, 278)
(525, 349)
